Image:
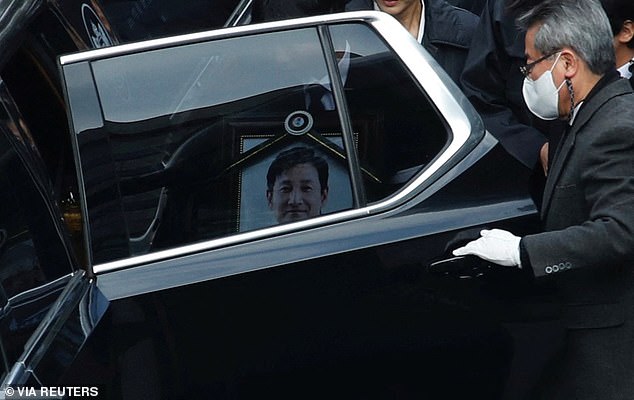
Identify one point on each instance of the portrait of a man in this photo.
(294, 182)
(297, 185)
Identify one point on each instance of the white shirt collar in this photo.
(421, 26)
(575, 111)
(624, 69)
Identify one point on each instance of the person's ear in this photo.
(269, 198)
(570, 63)
(324, 195)
(626, 34)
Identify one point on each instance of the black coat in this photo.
(588, 206)
(448, 34)
(587, 248)
(492, 81)
(475, 6)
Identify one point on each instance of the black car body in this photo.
(139, 255)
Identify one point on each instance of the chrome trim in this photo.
(75, 280)
(17, 372)
(227, 241)
(23, 367)
(61, 334)
(352, 158)
(33, 294)
(425, 69)
(290, 249)
(238, 14)
(113, 51)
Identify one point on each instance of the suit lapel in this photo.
(568, 140)
(565, 147)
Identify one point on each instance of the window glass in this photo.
(187, 147)
(195, 76)
(399, 129)
(190, 134)
(31, 253)
(32, 78)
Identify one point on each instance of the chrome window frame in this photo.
(438, 86)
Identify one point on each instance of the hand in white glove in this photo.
(498, 246)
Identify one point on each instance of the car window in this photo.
(31, 76)
(205, 140)
(20, 262)
(32, 253)
(189, 135)
(400, 131)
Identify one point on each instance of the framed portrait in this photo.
(254, 209)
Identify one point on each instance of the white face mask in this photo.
(542, 96)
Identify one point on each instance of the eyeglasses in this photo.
(527, 68)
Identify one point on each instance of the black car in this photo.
(155, 241)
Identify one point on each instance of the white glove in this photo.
(498, 246)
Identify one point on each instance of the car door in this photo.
(182, 143)
(48, 305)
(48, 299)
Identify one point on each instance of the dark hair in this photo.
(618, 12)
(292, 157)
(273, 10)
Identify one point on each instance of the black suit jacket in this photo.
(588, 212)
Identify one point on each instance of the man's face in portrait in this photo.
(297, 194)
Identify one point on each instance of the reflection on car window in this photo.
(207, 74)
(399, 130)
(30, 251)
(205, 140)
(211, 139)
(32, 79)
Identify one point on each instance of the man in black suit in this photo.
(492, 82)
(587, 247)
